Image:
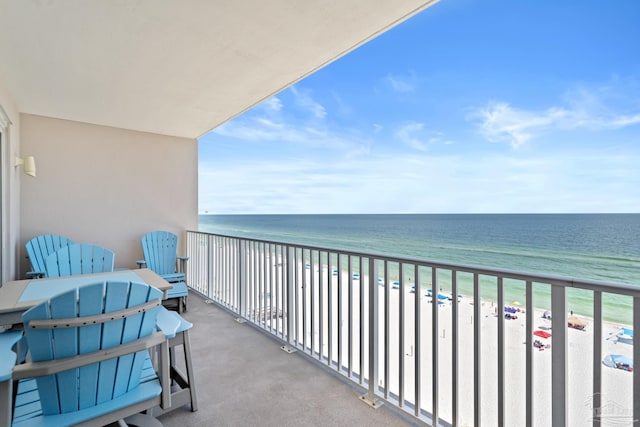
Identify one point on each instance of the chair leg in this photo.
(183, 385)
(190, 374)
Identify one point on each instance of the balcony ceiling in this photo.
(174, 67)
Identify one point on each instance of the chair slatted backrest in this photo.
(79, 258)
(160, 250)
(97, 383)
(42, 246)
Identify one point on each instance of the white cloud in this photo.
(401, 84)
(596, 110)
(272, 104)
(297, 134)
(407, 132)
(592, 182)
(304, 100)
(315, 167)
(415, 136)
(499, 122)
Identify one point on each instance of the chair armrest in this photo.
(8, 342)
(167, 323)
(39, 369)
(141, 262)
(8, 356)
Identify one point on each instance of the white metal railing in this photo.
(367, 317)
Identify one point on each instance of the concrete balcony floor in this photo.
(245, 379)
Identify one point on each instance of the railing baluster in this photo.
(290, 299)
(435, 302)
(401, 337)
(597, 353)
(263, 286)
(242, 281)
(454, 348)
(305, 288)
(416, 341)
(361, 311)
(387, 329)
(272, 278)
(529, 355)
(215, 273)
(277, 254)
(636, 357)
(350, 318)
(296, 264)
(320, 307)
(477, 363)
(313, 303)
(329, 309)
(339, 267)
(255, 307)
(501, 355)
(373, 349)
(227, 266)
(252, 280)
(559, 356)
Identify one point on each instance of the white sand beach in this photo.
(616, 383)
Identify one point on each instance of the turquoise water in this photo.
(604, 247)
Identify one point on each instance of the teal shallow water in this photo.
(604, 247)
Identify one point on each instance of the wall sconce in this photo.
(28, 164)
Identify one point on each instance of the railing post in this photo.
(370, 398)
(290, 284)
(559, 356)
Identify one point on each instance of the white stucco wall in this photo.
(106, 186)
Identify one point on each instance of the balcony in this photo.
(360, 337)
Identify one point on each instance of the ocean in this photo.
(603, 247)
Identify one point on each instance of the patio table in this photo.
(18, 296)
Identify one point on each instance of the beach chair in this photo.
(79, 258)
(39, 248)
(160, 250)
(89, 358)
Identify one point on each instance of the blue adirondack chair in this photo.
(79, 258)
(39, 248)
(89, 358)
(160, 250)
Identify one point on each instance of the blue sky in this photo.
(469, 107)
